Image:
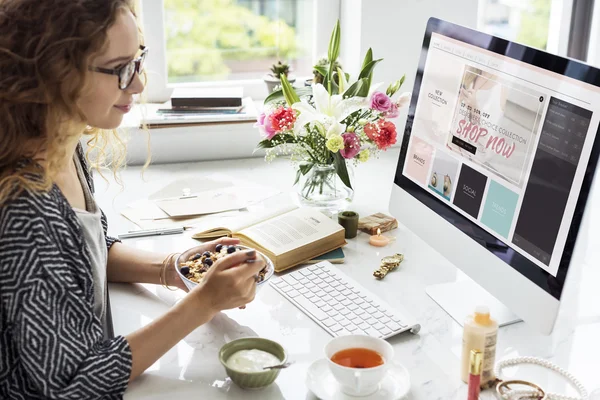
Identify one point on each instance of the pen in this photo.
(150, 232)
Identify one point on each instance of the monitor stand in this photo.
(460, 298)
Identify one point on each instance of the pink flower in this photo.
(380, 102)
(265, 127)
(393, 112)
(283, 119)
(351, 145)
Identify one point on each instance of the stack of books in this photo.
(196, 101)
(201, 105)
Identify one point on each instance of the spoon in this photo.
(280, 366)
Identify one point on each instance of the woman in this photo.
(69, 67)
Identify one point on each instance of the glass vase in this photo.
(323, 189)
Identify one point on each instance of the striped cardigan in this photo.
(51, 342)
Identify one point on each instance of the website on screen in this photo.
(504, 143)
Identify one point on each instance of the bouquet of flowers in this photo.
(330, 123)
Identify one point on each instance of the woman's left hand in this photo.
(172, 277)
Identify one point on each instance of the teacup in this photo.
(364, 380)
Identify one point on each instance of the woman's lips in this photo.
(126, 108)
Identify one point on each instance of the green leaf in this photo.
(288, 91)
(321, 69)
(367, 71)
(359, 88)
(278, 94)
(334, 43)
(340, 168)
(368, 58)
(265, 144)
(303, 169)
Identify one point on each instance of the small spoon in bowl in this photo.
(280, 366)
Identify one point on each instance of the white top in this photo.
(93, 233)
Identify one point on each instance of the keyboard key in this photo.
(328, 279)
(340, 297)
(310, 295)
(304, 290)
(330, 291)
(379, 326)
(353, 328)
(338, 307)
(293, 293)
(372, 332)
(365, 305)
(326, 308)
(311, 308)
(310, 285)
(394, 326)
(344, 332)
(385, 331)
(346, 302)
(352, 296)
(328, 322)
(359, 301)
(327, 298)
(345, 311)
(363, 325)
(371, 321)
(320, 303)
(385, 320)
(320, 294)
(371, 310)
(377, 315)
(345, 322)
(360, 312)
(313, 268)
(353, 307)
(332, 313)
(289, 279)
(346, 292)
(337, 316)
(336, 328)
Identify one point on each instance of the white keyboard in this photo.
(339, 304)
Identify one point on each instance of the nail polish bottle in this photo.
(475, 364)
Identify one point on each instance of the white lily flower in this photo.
(329, 111)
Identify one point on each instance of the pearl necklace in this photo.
(546, 364)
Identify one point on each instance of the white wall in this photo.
(394, 29)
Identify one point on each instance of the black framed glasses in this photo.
(126, 72)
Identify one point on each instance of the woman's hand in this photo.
(173, 278)
(229, 283)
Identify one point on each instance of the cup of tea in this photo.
(359, 362)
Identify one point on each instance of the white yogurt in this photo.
(252, 360)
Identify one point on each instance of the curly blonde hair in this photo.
(45, 50)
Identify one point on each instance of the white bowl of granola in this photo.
(191, 266)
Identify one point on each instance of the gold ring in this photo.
(503, 389)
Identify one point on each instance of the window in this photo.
(232, 42)
(523, 21)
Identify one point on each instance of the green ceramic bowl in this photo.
(252, 380)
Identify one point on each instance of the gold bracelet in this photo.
(163, 275)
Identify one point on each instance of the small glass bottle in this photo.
(475, 364)
(480, 332)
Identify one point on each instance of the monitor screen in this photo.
(501, 142)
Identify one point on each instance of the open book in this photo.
(291, 237)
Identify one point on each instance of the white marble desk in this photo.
(192, 370)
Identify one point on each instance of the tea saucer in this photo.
(395, 385)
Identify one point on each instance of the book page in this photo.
(253, 214)
(292, 230)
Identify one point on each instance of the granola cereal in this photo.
(198, 264)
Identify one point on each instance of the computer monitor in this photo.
(495, 168)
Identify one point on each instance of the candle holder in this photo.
(349, 220)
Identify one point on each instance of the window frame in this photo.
(325, 15)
